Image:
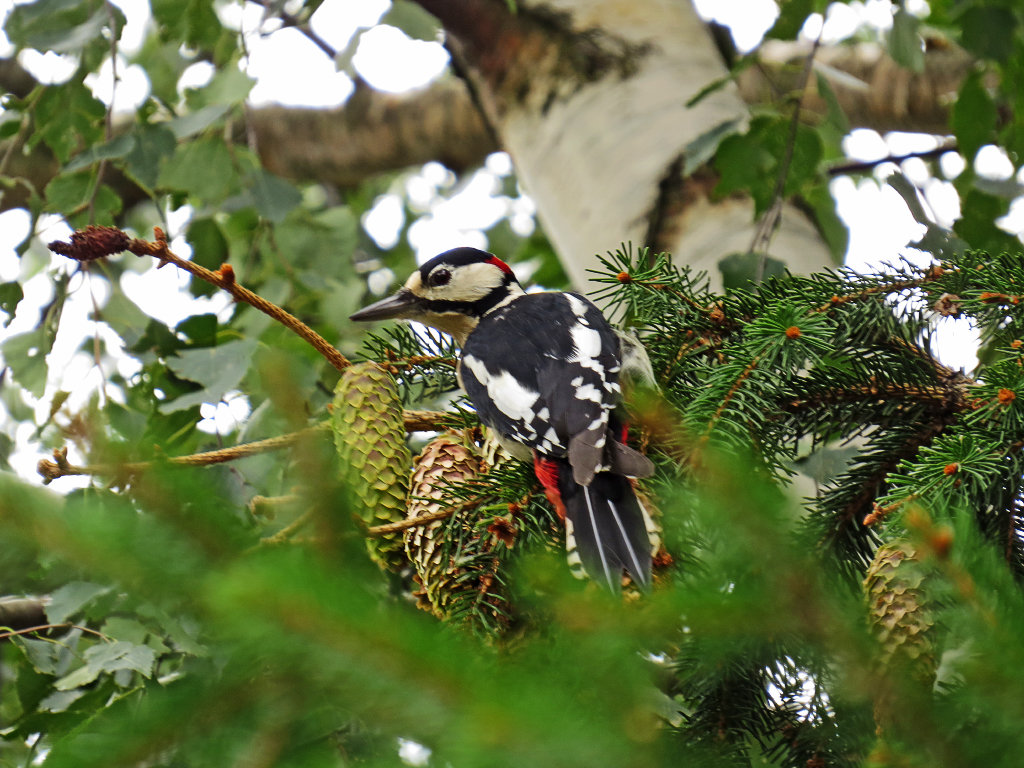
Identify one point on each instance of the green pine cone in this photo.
(897, 608)
(374, 459)
(443, 461)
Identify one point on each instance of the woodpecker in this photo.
(542, 371)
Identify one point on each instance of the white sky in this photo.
(292, 70)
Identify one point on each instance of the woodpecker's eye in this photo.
(439, 277)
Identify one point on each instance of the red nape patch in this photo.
(547, 472)
(500, 264)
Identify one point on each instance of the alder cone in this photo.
(443, 462)
(374, 459)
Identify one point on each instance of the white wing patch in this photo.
(508, 395)
(586, 340)
(588, 392)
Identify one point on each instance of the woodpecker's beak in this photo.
(403, 304)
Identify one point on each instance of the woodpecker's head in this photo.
(451, 292)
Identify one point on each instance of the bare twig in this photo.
(865, 166)
(769, 220)
(414, 522)
(286, 533)
(96, 242)
(415, 421)
(48, 627)
(290, 20)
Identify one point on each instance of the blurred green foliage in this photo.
(192, 626)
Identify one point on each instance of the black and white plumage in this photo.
(542, 371)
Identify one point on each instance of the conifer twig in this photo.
(934, 273)
(728, 397)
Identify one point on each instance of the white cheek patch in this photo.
(508, 395)
(468, 283)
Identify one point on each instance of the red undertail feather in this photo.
(547, 472)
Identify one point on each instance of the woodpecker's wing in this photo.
(543, 370)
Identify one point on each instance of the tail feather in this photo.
(606, 528)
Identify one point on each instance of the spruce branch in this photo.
(96, 242)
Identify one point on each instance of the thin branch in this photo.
(415, 421)
(934, 396)
(290, 20)
(48, 627)
(934, 273)
(108, 118)
(866, 166)
(286, 533)
(97, 242)
(414, 522)
(769, 221)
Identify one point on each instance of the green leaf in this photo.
(124, 316)
(194, 22)
(71, 598)
(977, 224)
(67, 116)
(209, 249)
(109, 150)
(834, 114)
(164, 65)
(152, 145)
(808, 151)
(988, 31)
(273, 197)
(201, 330)
(905, 43)
(792, 15)
(827, 220)
(217, 369)
(79, 677)
(68, 191)
(752, 162)
(316, 242)
(203, 168)
(744, 164)
(188, 125)
(11, 295)
(703, 148)
(973, 116)
(62, 26)
(73, 196)
(229, 86)
(411, 19)
(25, 355)
(121, 654)
(908, 192)
(739, 270)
